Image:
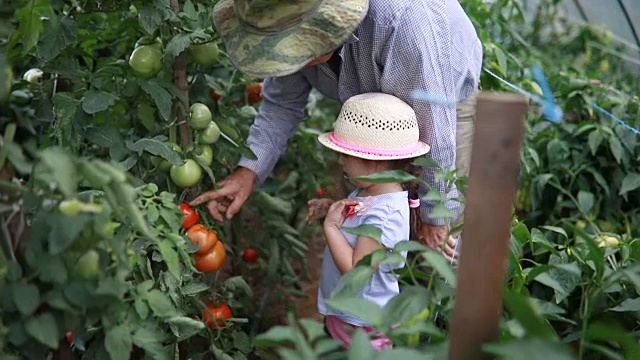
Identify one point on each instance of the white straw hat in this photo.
(376, 126)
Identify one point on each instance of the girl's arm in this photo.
(343, 254)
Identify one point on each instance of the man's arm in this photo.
(283, 103)
(417, 56)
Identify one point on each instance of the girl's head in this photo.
(377, 132)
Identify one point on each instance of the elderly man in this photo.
(343, 48)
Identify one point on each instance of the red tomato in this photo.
(216, 315)
(215, 96)
(207, 239)
(212, 260)
(249, 255)
(320, 192)
(191, 216)
(237, 102)
(254, 92)
(69, 336)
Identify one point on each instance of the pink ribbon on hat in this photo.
(414, 203)
(380, 152)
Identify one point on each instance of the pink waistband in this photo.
(338, 330)
(401, 152)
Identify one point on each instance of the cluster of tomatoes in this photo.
(208, 258)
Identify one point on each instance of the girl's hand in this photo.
(318, 209)
(336, 213)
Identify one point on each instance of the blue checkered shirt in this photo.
(400, 46)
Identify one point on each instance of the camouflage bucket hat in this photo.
(266, 38)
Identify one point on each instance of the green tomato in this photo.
(146, 60)
(162, 164)
(186, 175)
(199, 116)
(211, 134)
(88, 265)
(204, 153)
(205, 53)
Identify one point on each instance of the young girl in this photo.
(374, 132)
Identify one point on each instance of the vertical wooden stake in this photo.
(495, 163)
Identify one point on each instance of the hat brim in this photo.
(262, 55)
(326, 141)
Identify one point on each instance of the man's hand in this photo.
(318, 208)
(435, 236)
(235, 191)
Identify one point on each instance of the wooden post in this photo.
(495, 163)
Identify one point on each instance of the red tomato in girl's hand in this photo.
(249, 255)
(191, 216)
(69, 336)
(320, 192)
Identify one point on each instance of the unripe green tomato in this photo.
(211, 134)
(199, 116)
(88, 265)
(186, 175)
(205, 155)
(146, 60)
(205, 53)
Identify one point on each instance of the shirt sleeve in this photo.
(283, 102)
(393, 226)
(417, 56)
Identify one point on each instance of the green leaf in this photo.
(158, 148)
(632, 305)
(65, 230)
(351, 283)
(52, 269)
(176, 45)
(150, 18)
(409, 246)
(62, 168)
(242, 342)
(440, 264)
(411, 301)
(274, 336)
(365, 230)
(59, 34)
(96, 101)
(522, 309)
(44, 329)
(160, 96)
(104, 136)
(160, 304)
(630, 182)
(238, 283)
(616, 334)
(141, 308)
(26, 297)
(184, 327)
(595, 139)
(426, 162)
(440, 212)
(536, 349)
(112, 287)
(312, 329)
(150, 340)
(193, 288)
(390, 176)
(30, 24)
(69, 127)
(616, 148)
(363, 309)
(586, 201)
(118, 342)
(170, 257)
(360, 347)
